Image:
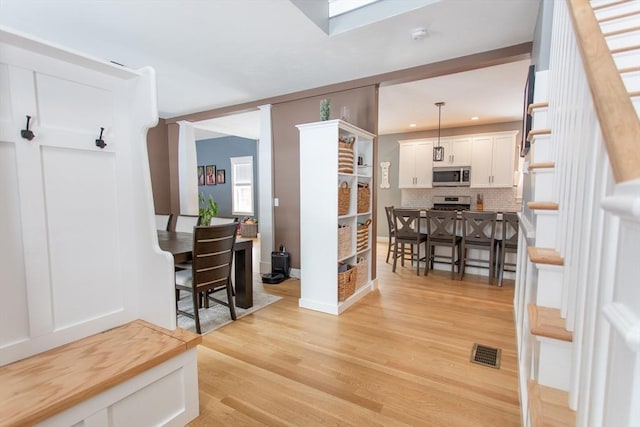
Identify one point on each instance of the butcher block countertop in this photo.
(38, 387)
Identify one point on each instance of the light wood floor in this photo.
(400, 356)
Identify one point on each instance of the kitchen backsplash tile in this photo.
(499, 199)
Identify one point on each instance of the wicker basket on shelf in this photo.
(364, 197)
(344, 241)
(362, 235)
(347, 283)
(345, 157)
(344, 198)
(361, 267)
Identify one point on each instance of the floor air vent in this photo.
(484, 355)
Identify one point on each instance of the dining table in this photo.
(180, 245)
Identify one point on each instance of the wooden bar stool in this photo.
(479, 232)
(407, 232)
(508, 242)
(441, 229)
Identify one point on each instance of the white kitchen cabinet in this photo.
(415, 169)
(492, 160)
(457, 151)
(319, 220)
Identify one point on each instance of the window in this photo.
(242, 185)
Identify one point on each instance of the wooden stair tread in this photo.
(634, 93)
(625, 49)
(543, 206)
(536, 132)
(43, 385)
(542, 165)
(535, 105)
(620, 16)
(544, 256)
(621, 31)
(549, 406)
(548, 322)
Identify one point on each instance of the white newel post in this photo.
(187, 169)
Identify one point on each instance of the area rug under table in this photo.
(218, 315)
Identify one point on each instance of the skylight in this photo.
(338, 7)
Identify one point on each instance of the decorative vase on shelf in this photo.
(325, 109)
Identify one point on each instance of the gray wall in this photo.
(218, 151)
(363, 112)
(388, 150)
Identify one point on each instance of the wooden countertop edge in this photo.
(37, 394)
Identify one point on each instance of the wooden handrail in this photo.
(618, 119)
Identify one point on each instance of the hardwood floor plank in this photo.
(400, 356)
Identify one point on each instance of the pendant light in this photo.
(438, 152)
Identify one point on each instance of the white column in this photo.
(187, 169)
(265, 188)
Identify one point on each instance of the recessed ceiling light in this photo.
(418, 33)
(412, 125)
(475, 118)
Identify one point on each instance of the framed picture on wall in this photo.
(211, 175)
(220, 178)
(200, 175)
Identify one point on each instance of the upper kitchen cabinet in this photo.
(492, 160)
(457, 152)
(416, 164)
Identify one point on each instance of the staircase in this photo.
(577, 300)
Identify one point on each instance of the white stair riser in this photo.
(540, 118)
(541, 149)
(554, 363)
(627, 59)
(632, 80)
(542, 185)
(549, 286)
(623, 40)
(546, 229)
(636, 104)
(617, 10)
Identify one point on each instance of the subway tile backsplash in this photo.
(498, 199)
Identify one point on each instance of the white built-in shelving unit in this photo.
(319, 219)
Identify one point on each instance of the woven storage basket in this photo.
(364, 196)
(248, 230)
(347, 283)
(345, 157)
(362, 236)
(361, 266)
(344, 242)
(344, 198)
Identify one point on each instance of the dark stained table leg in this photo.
(244, 273)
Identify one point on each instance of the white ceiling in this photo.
(216, 53)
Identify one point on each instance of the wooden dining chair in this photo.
(479, 232)
(441, 229)
(185, 223)
(407, 232)
(213, 248)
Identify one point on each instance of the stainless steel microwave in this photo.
(451, 176)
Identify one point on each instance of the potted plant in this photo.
(208, 209)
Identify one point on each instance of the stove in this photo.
(451, 203)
